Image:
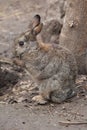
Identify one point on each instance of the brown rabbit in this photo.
(52, 66)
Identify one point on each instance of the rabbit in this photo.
(52, 67)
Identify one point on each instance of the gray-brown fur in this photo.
(51, 66)
(54, 70)
(51, 31)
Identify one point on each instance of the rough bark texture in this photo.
(74, 32)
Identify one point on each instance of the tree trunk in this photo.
(74, 32)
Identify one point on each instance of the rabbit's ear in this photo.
(38, 29)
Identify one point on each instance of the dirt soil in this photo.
(21, 113)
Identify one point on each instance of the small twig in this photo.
(17, 13)
(32, 88)
(6, 61)
(72, 123)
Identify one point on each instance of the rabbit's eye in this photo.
(21, 43)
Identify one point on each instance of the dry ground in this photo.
(14, 19)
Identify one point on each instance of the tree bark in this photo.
(74, 32)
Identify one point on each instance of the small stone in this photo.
(63, 108)
(23, 122)
(86, 96)
(52, 105)
(21, 99)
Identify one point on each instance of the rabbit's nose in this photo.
(21, 43)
